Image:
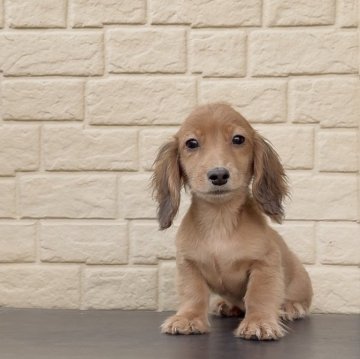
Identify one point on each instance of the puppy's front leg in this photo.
(263, 298)
(192, 316)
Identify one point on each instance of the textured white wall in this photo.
(90, 89)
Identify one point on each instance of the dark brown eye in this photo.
(192, 143)
(238, 139)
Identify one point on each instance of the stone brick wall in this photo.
(90, 89)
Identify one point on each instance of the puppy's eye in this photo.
(238, 139)
(192, 143)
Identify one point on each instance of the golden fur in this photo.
(224, 243)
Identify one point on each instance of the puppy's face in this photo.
(215, 147)
(216, 153)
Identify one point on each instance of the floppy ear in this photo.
(269, 183)
(167, 182)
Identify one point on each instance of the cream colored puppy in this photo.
(224, 244)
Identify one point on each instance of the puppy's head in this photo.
(216, 153)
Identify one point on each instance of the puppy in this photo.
(224, 243)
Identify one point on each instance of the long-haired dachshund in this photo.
(224, 243)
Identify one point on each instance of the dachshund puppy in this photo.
(224, 243)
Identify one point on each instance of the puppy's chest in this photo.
(227, 250)
(221, 261)
(222, 250)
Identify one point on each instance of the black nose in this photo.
(218, 176)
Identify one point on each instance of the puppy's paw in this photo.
(178, 324)
(223, 309)
(258, 328)
(292, 311)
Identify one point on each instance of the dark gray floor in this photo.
(68, 334)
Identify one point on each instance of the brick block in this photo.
(89, 243)
(348, 13)
(339, 243)
(338, 151)
(53, 53)
(282, 53)
(75, 149)
(208, 13)
(300, 237)
(42, 100)
(168, 299)
(17, 242)
(120, 288)
(1, 107)
(358, 219)
(149, 244)
(170, 12)
(295, 145)
(218, 53)
(322, 197)
(135, 198)
(332, 102)
(293, 13)
(257, 101)
(1, 13)
(36, 13)
(130, 51)
(150, 142)
(235, 13)
(40, 286)
(19, 149)
(8, 198)
(69, 196)
(124, 101)
(336, 289)
(96, 13)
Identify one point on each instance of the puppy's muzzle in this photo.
(218, 176)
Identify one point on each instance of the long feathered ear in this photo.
(269, 183)
(167, 183)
